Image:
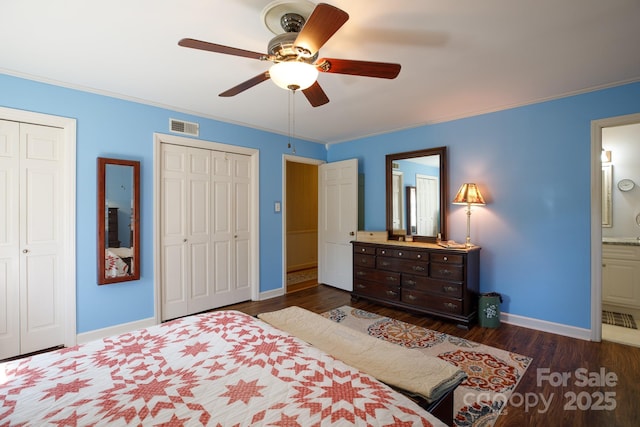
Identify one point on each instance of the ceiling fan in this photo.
(296, 51)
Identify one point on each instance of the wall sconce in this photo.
(469, 194)
(605, 156)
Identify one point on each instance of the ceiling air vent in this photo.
(187, 128)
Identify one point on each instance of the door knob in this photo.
(351, 233)
(25, 251)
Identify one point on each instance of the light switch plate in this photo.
(276, 207)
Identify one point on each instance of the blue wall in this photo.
(110, 127)
(532, 164)
(533, 167)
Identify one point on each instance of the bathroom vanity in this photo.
(621, 274)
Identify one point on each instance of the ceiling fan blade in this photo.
(323, 22)
(384, 70)
(218, 48)
(315, 95)
(246, 85)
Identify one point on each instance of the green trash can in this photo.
(489, 310)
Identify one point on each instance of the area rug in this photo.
(492, 374)
(618, 319)
(300, 276)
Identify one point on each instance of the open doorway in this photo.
(300, 219)
(615, 245)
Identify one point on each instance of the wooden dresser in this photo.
(112, 228)
(421, 277)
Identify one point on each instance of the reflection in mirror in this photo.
(118, 220)
(416, 183)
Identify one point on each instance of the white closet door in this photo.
(201, 295)
(9, 239)
(231, 228)
(205, 223)
(173, 225)
(41, 287)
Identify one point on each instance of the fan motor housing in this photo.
(283, 48)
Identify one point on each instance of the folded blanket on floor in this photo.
(400, 367)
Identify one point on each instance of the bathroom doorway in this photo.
(616, 298)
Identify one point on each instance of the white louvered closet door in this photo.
(31, 233)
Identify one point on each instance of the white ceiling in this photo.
(459, 57)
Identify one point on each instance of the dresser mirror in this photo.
(118, 220)
(416, 191)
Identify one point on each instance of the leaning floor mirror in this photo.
(118, 220)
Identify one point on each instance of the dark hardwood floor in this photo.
(598, 400)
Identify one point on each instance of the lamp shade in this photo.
(468, 194)
(293, 75)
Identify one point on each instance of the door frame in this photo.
(295, 159)
(68, 204)
(160, 138)
(596, 216)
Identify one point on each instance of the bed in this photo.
(117, 262)
(221, 368)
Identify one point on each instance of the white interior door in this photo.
(427, 205)
(9, 239)
(231, 258)
(337, 222)
(397, 194)
(205, 229)
(31, 238)
(173, 224)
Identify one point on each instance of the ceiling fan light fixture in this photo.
(293, 75)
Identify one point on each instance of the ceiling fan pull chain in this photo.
(292, 120)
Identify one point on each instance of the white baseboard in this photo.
(545, 326)
(99, 334)
(271, 294)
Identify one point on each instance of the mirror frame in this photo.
(444, 185)
(102, 227)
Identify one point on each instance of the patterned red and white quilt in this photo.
(220, 369)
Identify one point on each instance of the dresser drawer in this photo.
(363, 249)
(376, 290)
(402, 265)
(432, 302)
(403, 253)
(364, 260)
(447, 271)
(385, 277)
(446, 258)
(425, 284)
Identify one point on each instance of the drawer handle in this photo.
(391, 278)
(449, 289)
(412, 297)
(445, 272)
(383, 252)
(361, 273)
(419, 256)
(360, 286)
(450, 305)
(392, 293)
(399, 253)
(364, 261)
(445, 258)
(385, 263)
(418, 268)
(363, 249)
(411, 282)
